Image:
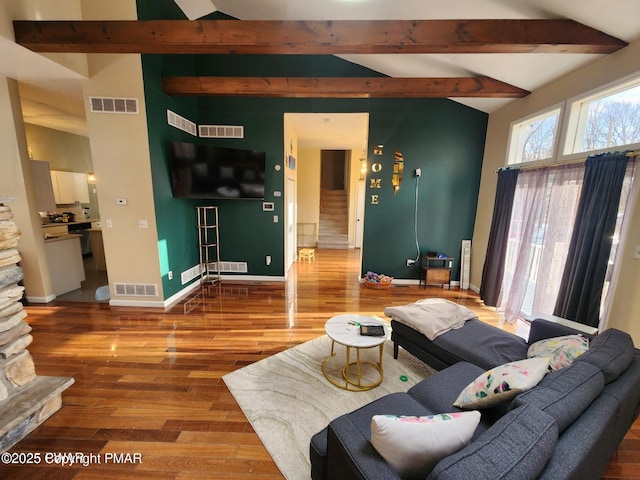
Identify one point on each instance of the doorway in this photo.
(308, 135)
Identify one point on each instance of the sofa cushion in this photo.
(483, 345)
(611, 351)
(438, 392)
(561, 351)
(502, 383)
(566, 393)
(516, 447)
(413, 445)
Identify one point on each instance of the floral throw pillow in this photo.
(412, 446)
(502, 383)
(561, 351)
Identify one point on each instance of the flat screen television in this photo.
(204, 171)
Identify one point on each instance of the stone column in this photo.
(26, 399)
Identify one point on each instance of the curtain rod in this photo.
(541, 165)
(632, 153)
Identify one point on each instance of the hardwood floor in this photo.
(149, 382)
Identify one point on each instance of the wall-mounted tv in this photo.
(204, 171)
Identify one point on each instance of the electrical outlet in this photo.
(410, 261)
(170, 275)
(267, 259)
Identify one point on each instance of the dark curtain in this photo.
(493, 270)
(584, 273)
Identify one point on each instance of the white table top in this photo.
(345, 329)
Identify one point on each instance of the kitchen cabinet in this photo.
(64, 258)
(69, 187)
(41, 178)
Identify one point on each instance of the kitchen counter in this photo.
(61, 237)
(57, 224)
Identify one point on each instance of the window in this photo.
(534, 139)
(605, 120)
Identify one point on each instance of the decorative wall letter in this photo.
(374, 182)
(398, 168)
(374, 199)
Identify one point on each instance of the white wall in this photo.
(626, 301)
(121, 160)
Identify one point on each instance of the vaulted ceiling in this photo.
(500, 51)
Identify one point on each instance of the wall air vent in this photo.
(221, 131)
(230, 267)
(181, 123)
(136, 289)
(114, 105)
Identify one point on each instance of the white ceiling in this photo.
(51, 93)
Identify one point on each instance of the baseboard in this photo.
(137, 303)
(473, 288)
(47, 299)
(173, 299)
(253, 278)
(409, 281)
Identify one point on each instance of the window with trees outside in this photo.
(603, 121)
(534, 139)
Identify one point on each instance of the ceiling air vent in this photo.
(221, 131)
(136, 289)
(114, 105)
(181, 123)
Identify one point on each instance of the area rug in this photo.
(287, 399)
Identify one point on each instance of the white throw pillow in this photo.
(502, 383)
(412, 446)
(561, 351)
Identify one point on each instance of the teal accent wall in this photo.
(446, 141)
(443, 138)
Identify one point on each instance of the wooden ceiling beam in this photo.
(314, 37)
(340, 87)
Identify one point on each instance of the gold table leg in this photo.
(354, 385)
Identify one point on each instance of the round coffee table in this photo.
(345, 330)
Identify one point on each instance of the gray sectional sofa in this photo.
(566, 427)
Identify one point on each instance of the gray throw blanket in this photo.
(431, 316)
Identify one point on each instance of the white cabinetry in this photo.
(69, 187)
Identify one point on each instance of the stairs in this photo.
(333, 231)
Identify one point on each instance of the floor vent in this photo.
(231, 267)
(136, 289)
(181, 123)
(221, 131)
(114, 105)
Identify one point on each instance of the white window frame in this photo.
(515, 147)
(576, 107)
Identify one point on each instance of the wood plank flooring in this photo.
(149, 382)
